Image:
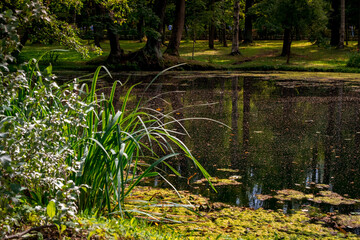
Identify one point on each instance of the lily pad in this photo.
(332, 198)
(218, 181)
(290, 194)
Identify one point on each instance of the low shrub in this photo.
(354, 60)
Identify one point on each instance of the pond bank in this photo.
(194, 217)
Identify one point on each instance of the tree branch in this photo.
(21, 234)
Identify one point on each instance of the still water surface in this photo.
(284, 134)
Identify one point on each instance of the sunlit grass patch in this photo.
(263, 54)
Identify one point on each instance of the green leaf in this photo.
(51, 209)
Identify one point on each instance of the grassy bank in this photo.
(262, 55)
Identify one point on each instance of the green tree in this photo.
(293, 16)
(37, 19)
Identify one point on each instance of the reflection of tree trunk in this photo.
(246, 116)
(174, 43)
(288, 155)
(221, 99)
(329, 140)
(234, 124)
(314, 165)
(177, 105)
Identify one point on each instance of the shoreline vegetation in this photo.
(156, 213)
(263, 55)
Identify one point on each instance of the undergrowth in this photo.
(67, 150)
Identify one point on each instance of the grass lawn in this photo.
(262, 55)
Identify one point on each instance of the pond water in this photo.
(281, 134)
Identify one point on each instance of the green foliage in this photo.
(303, 16)
(65, 149)
(9, 38)
(354, 60)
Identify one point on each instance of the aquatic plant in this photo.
(65, 149)
(113, 144)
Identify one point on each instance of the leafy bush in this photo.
(69, 146)
(354, 60)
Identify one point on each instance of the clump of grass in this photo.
(112, 146)
(354, 60)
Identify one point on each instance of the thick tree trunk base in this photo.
(115, 58)
(246, 42)
(145, 60)
(236, 53)
(172, 52)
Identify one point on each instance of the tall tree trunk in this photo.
(286, 42)
(235, 39)
(248, 22)
(139, 28)
(224, 35)
(116, 53)
(211, 36)
(359, 27)
(334, 21)
(342, 24)
(97, 35)
(174, 43)
(211, 25)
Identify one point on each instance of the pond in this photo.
(281, 134)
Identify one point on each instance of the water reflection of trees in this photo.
(280, 136)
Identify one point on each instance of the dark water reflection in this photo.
(284, 134)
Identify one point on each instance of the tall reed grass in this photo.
(113, 144)
(72, 146)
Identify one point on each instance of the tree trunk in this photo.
(235, 39)
(97, 35)
(116, 53)
(335, 23)
(286, 42)
(359, 27)
(139, 28)
(211, 36)
(211, 25)
(174, 43)
(342, 24)
(224, 35)
(248, 22)
(150, 56)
